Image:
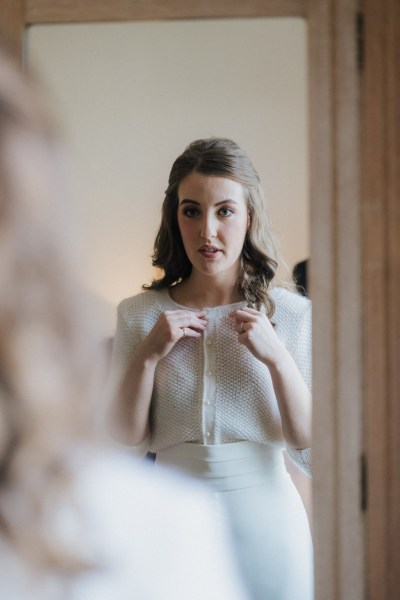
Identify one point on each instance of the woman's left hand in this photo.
(255, 331)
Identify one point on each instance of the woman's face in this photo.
(213, 220)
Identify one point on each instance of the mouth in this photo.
(210, 251)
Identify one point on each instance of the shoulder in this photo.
(289, 304)
(142, 306)
(144, 299)
(292, 317)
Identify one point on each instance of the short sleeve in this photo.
(300, 347)
(300, 341)
(123, 346)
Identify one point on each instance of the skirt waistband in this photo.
(226, 466)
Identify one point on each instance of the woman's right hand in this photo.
(135, 392)
(171, 327)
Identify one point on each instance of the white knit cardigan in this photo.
(212, 390)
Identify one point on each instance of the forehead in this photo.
(210, 188)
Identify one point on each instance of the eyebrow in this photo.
(188, 201)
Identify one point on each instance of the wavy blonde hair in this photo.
(223, 158)
(47, 346)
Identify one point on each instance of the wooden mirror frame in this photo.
(354, 86)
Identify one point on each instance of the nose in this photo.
(208, 227)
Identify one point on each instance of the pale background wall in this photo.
(130, 97)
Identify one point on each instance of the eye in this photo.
(190, 211)
(225, 211)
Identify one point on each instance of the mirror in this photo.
(131, 96)
(334, 95)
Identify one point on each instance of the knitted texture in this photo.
(211, 389)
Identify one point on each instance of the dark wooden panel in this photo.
(381, 284)
(12, 22)
(69, 11)
(393, 286)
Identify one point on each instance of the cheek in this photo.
(187, 230)
(236, 230)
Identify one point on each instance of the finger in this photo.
(244, 314)
(236, 317)
(241, 327)
(189, 332)
(247, 311)
(243, 320)
(197, 327)
(186, 319)
(196, 324)
(175, 315)
(187, 316)
(239, 321)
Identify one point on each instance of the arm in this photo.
(136, 364)
(132, 402)
(294, 399)
(293, 396)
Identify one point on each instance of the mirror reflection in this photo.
(132, 97)
(212, 364)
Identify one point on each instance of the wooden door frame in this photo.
(354, 142)
(380, 157)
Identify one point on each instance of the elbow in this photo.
(297, 439)
(125, 429)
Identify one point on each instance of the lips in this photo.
(209, 251)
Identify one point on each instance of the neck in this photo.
(195, 292)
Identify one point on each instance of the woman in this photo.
(212, 363)
(77, 520)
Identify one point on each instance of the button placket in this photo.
(209, 379)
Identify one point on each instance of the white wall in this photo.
(130, 97)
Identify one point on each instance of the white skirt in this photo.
(265, 512)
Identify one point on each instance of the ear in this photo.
(248, 221)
